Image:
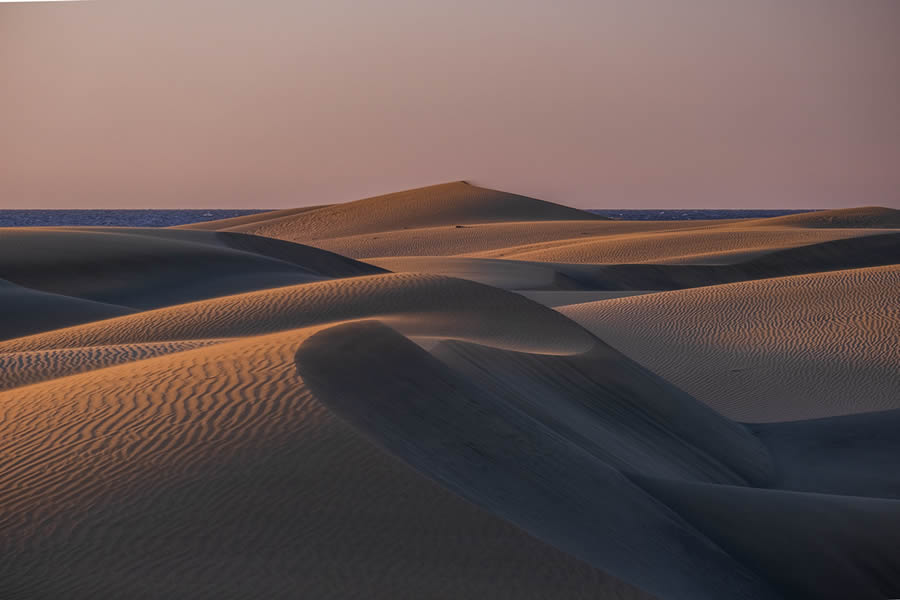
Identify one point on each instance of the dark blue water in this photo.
(168, 218)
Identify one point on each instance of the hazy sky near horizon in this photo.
(592, 103)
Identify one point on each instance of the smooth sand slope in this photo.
(147, 268)
(616, 466)
(797, 347)
(457, 203)
(27, 311)
(459, 219)
(217, 411)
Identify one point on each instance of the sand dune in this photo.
(867, 216)
(146, 269)
(714, 246)
(283, 421)
(853, 252)
(223, 224)
(613, 465)
(775, 349)
(446, 204)
(26, 311)
(214, 473)
(424, 305)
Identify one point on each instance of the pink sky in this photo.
(592, 103)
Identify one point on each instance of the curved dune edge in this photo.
(27, 312)
(424, 305)
(150, 268)
(213, 473)
(533, 465)
(800, 347)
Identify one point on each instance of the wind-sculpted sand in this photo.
(787, 348)
(218, 411)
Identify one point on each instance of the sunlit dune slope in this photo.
(853, 252)
(863, 217)
(450, 240)
(775, 349)
(222, 224)
(213, 473)
(445, 204)
(720, 245)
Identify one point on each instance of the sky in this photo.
(591, 103)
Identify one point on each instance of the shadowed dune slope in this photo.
(149, 268)
(556, 444)
(213, 473)
(777, 349)
(444, 204)
(418, 304)
(25, 311)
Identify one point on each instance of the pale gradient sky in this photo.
(592, 103)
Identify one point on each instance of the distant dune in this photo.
(375, 400)
(439, 205)
(867, 216)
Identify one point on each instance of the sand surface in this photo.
(376, 400)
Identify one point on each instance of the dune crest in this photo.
(448, 204)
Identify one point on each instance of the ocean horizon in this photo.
(172, 217)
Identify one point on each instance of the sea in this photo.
(171, 217)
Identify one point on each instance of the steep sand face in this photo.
(775, 349)
(570, 448)
(876, 249)
(450, 240)
(25, 368)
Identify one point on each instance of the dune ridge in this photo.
(444, 204)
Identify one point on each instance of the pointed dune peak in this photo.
(862, 217)
(445, 205)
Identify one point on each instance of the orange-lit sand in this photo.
(231, 410)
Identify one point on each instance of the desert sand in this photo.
(452, 392)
